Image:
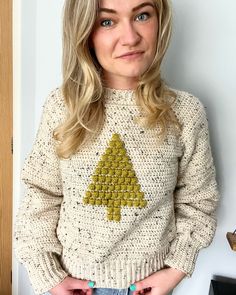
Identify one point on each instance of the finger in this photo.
(79, 292)
(74, 284)
(148, 282)
(138, 286)
(65, 292)
(89, 291)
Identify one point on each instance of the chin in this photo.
(132, 74)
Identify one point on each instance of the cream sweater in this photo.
(123, 207)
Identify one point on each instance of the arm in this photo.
(196, 194)
(195, 200)
(35, 240)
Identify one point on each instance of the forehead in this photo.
(123, 4)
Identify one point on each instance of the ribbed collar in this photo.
(119, 96)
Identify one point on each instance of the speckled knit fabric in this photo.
(121, 208)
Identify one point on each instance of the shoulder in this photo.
(188, 108)
(55, 99)
(54, 105)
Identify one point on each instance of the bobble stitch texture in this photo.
(115, 189)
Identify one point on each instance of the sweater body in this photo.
(116, 253)
(124, 206)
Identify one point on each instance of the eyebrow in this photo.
(103, 9)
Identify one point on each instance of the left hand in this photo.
(160, 282)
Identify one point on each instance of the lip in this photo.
(131, 54)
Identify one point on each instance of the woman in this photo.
(121, 189)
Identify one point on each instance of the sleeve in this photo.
(196, 195)
(35, 240)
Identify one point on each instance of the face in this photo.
(124, 40)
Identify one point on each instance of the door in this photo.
(6, 94)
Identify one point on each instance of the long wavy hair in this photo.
(82, 85)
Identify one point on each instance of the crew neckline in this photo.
(119, 96)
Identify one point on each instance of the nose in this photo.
(129, 35)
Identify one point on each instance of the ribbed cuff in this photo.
(182, 255)
(45, 272)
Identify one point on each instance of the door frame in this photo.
(6, 144)
(17, 32)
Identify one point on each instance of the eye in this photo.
(143, 16)
(106, 23)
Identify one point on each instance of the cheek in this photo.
(153, 40)
(150, 35)
(100, 42)
(154, 32)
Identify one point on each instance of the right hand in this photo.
(71, 286)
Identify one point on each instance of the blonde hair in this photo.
(82, 85)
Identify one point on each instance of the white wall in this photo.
(37, 53)
(24, 108)
(201, 60)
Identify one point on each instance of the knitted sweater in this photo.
(121, 208)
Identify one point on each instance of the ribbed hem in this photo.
(45, 272)
(183, 254)
(114, 273)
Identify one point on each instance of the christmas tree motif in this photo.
(114, 183)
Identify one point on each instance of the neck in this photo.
(122, 83)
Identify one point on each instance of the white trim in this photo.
(16, 126)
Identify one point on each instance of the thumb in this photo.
(141, 285)
(89, 292)
(73, 283)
